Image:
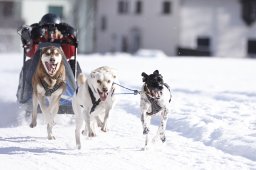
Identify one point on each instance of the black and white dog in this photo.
(155, 99)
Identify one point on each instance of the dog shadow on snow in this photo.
(14, 150)
(9, 114)
(134, 109)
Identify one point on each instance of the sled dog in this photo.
(155, 99)
(94, 100)
(48, 84)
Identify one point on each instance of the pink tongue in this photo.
(103, 96)
(156, 94)
(49, 66)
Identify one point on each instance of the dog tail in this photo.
(81, 79)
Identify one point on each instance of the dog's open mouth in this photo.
(51, 68)
(103, 95)
(155, 93)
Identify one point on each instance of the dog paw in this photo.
(92, 134)
(78, 146)
(163, 139)
(145, 148)
(51, 137)
(84, 133)
(104, 129)
(145, 131)
(33, 124)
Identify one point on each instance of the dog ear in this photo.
(161, 75)
(114, 76)
(156, 72)
(114, 73)
(145, 76)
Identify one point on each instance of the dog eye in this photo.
(159, 79)
(108, 81)
(98, 81)
(48, 52)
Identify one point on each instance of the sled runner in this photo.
(48, 32)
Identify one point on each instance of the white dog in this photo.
(155, 99)
(94, 100)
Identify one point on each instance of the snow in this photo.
(212, 122)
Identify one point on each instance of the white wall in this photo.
(33, 10)
(158, 31)
(85, 13)
(218, 19)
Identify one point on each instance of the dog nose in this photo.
(104, 89)
(52, 60)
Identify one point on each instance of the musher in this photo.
(49, 31)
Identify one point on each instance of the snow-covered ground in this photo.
(212, 124)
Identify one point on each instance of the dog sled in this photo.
(50, 31)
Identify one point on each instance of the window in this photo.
(103, 23)
(135, 40)
(166, 8)
(124, 44)
(138, 8)
(251, 47)
(248, 11)
(58, 10)
(7, 9)
(122, 7)
(203, 43)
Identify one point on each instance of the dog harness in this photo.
(155, 107)
(93, 99)
(48, 91)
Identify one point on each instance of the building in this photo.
(128, 25)
(222, 28)
(33, 10)
(84, 20)
(15, 13)
(10, 19)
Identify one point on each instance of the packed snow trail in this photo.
(120, 148)
(212, 124)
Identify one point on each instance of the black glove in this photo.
(37, 31)
(66, 29)
(24, 32)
